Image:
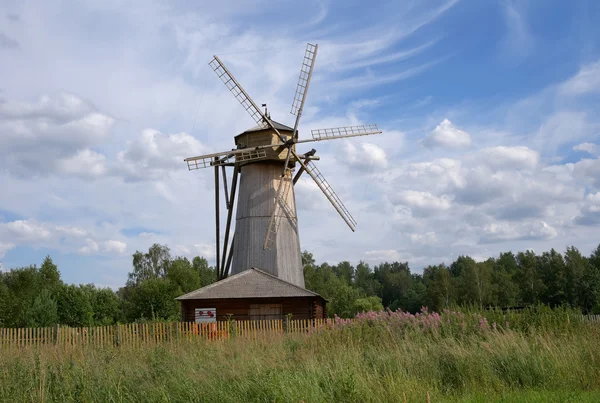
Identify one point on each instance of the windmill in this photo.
(266, 229)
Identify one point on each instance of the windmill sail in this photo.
(333, 198)
(306, 69)
(343, 132)
(236, 89)
(226, 157)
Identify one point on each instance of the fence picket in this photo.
(135, 335)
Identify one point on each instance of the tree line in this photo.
(508, 281)
(32, 296)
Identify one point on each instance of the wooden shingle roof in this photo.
(263, 126)
(251, 283)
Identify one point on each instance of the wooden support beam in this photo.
(236, 171)
(228, 264)
(287, 161)
(300, 171)
(217, 228)
(225, 187)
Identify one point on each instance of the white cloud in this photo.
(27, 231)
(427, 238)
(181, 250)
(590, 212)
(439, 174)
(587, 80)
(206, 250)
(503, 231)
(91, 247)
(422, 203)
(86, 163)
(589, 148)
(113, 246)
(587, 170)
(370, 156)
(508, 158)
(62, 107)
(68, 238)
(387, 255)
(447, 135)
(153, 154)
(561, 128)
(5, 247)
(50, 135)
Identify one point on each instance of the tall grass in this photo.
(380, 357)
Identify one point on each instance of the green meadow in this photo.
(538, 355)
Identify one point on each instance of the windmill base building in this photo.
(251, 295)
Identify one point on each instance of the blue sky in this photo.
(489, 110)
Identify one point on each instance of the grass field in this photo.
(378, 358)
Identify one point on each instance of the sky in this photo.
(489, 112)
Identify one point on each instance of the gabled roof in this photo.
(251, 283)
(263, 126)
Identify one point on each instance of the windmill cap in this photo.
(262, 126)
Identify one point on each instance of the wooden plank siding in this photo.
(298, 307)
(258, 185)
(266, 137)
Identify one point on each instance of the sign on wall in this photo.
(205, 315)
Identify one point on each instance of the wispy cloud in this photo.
(393, 57)
(372, 79)
(320, 15)
(586, 81)
(518, 42)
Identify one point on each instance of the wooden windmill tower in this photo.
(266, 228)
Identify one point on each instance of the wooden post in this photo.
(227, 199)
(117, 335)
(56, 333)
(228, 264)
(236, 171)
(217, 229)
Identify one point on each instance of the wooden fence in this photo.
(135, 335)
(591, 318)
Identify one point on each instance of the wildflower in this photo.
(483, 324)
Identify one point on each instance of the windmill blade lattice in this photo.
(208, 160)
(333, 198)
(306, 69)
(344, 132)
(236, 89)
